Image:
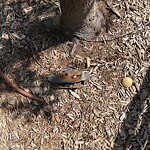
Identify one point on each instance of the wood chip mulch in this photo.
(103, 115)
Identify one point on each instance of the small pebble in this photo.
(127, 82)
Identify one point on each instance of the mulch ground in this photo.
(101, 115)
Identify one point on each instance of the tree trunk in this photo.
(81, 18)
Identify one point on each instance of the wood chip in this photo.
(74, 94)
(88, 62)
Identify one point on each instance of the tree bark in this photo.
(81, 18)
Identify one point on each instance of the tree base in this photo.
(81, 18)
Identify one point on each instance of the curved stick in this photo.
(19, 90)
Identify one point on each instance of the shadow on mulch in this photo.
(38, 36)
(134, 132)
(28, 110)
